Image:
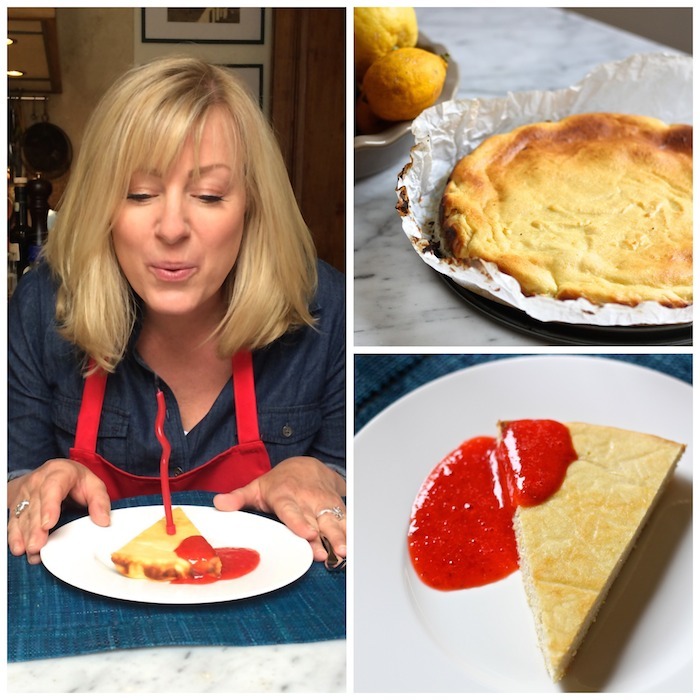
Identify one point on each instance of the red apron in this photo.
(232, 469)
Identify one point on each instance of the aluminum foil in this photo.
(655, 85)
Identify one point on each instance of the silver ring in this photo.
(335, 511)
(20, 507)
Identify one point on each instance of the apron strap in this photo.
(244, 397)
(90, 408)
(243, 391)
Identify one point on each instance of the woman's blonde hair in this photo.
(141, 124)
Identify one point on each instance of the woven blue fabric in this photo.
(48, 618)
(382, 379)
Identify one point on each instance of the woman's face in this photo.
(178, 234)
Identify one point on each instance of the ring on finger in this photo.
(335, 511)
(20, 507)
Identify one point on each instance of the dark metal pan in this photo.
(46, 150)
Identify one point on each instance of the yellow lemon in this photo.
(401, 84)
(366, 121)
(379, 30)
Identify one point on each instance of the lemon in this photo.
(401, 84)
(366, 121)
(379, 30)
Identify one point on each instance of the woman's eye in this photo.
(139, 196)
(210, 198)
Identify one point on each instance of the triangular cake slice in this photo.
(572, 546)
(152, 554)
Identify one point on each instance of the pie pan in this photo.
(573, 333)
(655, 85)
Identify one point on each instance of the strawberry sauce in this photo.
(461, 528)
(235, 561)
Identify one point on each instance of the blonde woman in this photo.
(179, 263)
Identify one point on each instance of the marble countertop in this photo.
(399, 300)
(288, 668)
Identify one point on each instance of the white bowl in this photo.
(377, 152)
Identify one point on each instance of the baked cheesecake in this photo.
(155, 554)
(572, 546)
(594, 206)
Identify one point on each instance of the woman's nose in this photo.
(174, 222)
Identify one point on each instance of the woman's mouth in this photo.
(172, 272)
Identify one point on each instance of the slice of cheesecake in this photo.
(152, 554)
(572, 546)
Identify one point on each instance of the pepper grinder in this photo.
(38, 191)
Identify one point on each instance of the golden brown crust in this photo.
(572, 546)
(597, 206)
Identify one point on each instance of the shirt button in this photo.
(178, 470)
(287, 431)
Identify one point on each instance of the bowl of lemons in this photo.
(399, 72)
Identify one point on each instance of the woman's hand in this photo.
(298, 491)
(44, 490)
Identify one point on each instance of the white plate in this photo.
(411, 638)
(79, 554)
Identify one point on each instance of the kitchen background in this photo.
(294, 60)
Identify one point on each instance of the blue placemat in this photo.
(48, 618)
(382, 379)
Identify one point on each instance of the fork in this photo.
(333, 562)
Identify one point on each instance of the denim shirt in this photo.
(299, 382)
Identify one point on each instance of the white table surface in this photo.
(287, 668)
(398, 299)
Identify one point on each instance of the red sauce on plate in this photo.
(235, 561)
(533, 456)
(198, 552)
(461, 527)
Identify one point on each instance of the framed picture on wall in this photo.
(252, 75)
(203, 25)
